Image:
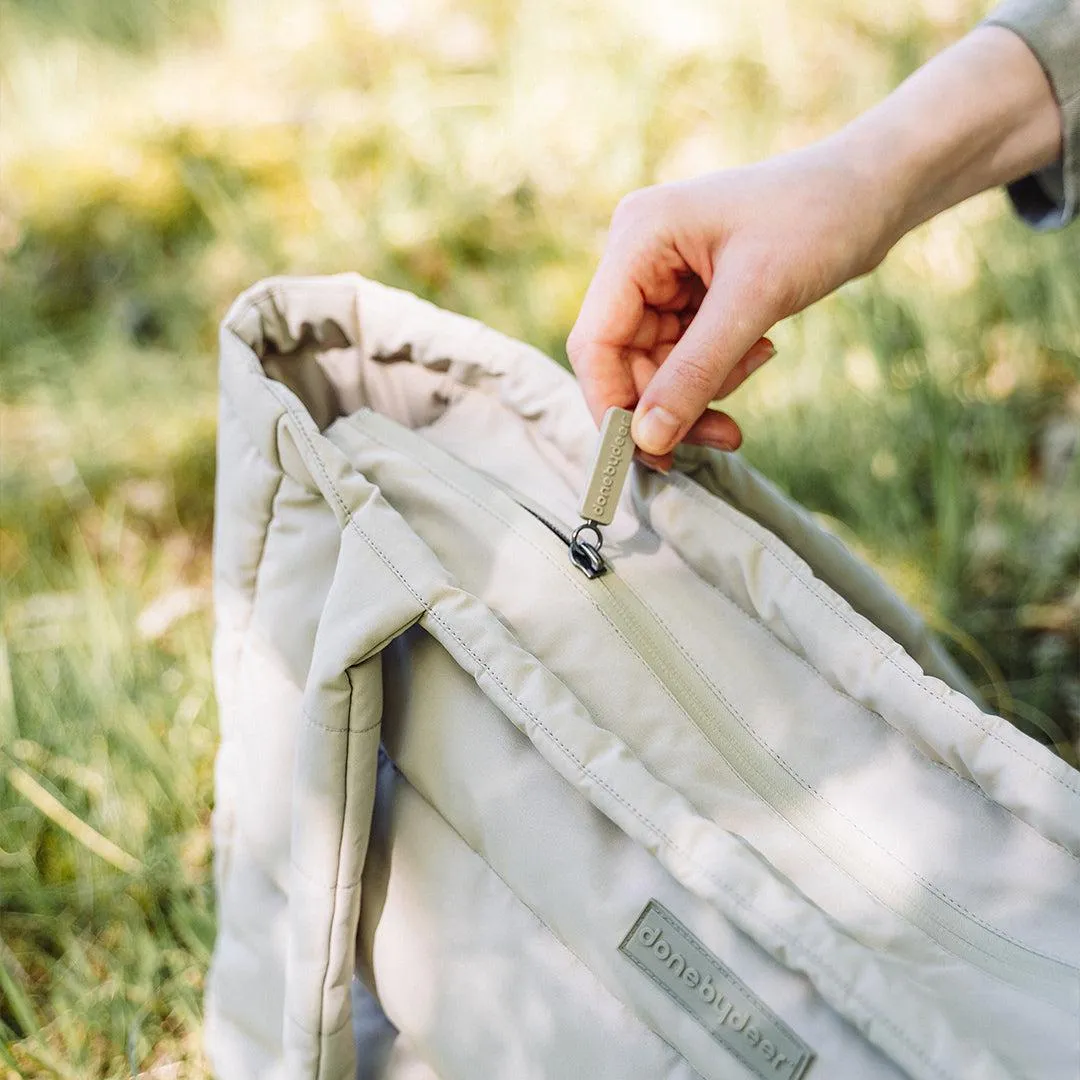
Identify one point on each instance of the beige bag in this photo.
(716, 813)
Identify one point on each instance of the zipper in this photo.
(583, 548)
(607, 475)
(765, 773)
(773, 781)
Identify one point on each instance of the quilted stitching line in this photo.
(940, 765)
(323, 1032)
(928, 885)
(693, 492)
(310, 721)
(781, 762)
(745, 905)
(736, 897)
(322, 886)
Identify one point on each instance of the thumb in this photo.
(694, 371)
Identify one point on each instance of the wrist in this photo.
(979, 115)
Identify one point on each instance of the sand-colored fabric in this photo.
(457, 769)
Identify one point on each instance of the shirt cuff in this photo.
(1050, 198)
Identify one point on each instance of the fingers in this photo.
(712, 428)
(633, 302)
(605, 378)
(662, 463)
(715, 429)
(761, 351)
(606, 326)
(651, 335)
(656, 328)
(697, 369)
(689, 293)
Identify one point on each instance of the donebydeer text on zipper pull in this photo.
(614, 452)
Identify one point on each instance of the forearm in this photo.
(979, 115)
(695, 273)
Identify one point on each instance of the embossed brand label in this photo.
(614, 453)
(699, 983)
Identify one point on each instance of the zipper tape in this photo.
(773, 779)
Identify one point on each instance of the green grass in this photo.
(156, 159)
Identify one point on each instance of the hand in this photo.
(695, 273)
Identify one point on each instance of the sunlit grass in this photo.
(156, 159)
(107, 754)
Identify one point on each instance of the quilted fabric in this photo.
(453, 770)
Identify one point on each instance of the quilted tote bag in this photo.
(689, 796)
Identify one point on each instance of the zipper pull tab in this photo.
(614, 452)
(607, 476)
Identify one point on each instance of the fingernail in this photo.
(763, 357)
(657, 464)
(656, 431)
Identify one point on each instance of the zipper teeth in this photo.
(755, 764)
(556, 528)
(785, 793)
(771, 780)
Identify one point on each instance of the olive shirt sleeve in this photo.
(1050, 198)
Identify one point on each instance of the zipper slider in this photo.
(614, 452)
(585, 555)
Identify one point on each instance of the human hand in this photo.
(695, 273)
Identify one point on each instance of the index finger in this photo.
(597, 346)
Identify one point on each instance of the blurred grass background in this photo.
(157, 158)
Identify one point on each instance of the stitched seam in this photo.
(929, 886)
(334, 886)
(782, 763)
(736, 897)
(688, 488)
(866, 710)
(623, 1006)
(322, 1033)
(310, 721)
(795, 945)
(826, 601)
(521, 536)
